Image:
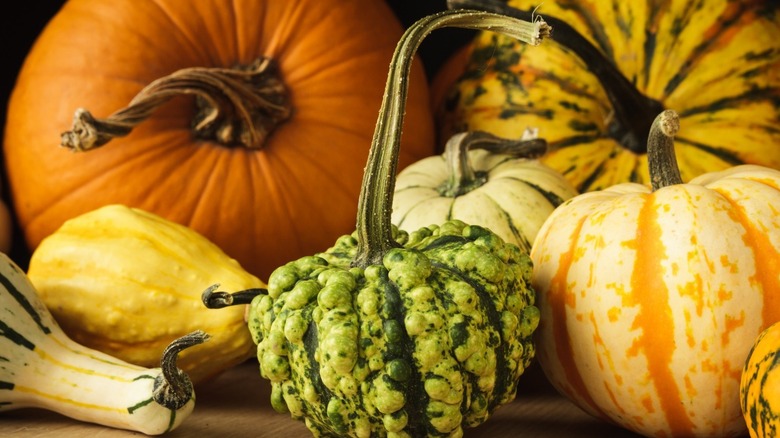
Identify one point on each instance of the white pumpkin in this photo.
(482, 180)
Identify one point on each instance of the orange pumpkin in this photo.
(266, 195)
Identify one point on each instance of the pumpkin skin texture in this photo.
(760, 385)
(512, 196)
(127, 283)
(427, 343)
(257, 205)
(714, 62)
(651, 299)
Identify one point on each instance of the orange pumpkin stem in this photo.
(374, 228)
(462, 176)
(236, 107)
(662, 162)
(633, 112)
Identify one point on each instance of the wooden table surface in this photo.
(236, 405)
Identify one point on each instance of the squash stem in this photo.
(661, 158)
(214, 299)
(236, 107)
(462, 177)
(173, 388)
(633, 112)
(374, 229)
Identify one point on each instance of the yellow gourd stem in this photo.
(374, 230)
(461, 175)
(661, 159)
(633, 112)
(236, 107)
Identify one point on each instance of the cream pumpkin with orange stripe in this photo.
(652, 298)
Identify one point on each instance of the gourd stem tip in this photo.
(173, 388)
(214, 299)
(662, 161)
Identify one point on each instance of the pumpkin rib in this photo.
(179, 28)
(655, 318)
(422, 203)
(555, 296)
(519, 236)
(712, 40)
(766, 254)
(594, 26)
(729, 157)
(764, 94)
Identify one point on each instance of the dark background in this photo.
(28, 19)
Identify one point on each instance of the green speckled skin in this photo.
(431, 341)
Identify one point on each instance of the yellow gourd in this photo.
(127, 282)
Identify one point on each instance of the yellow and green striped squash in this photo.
(716, 62)
(760, 386)
(650, 299)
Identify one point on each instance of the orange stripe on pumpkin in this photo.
(767, 261)
(559, 300)
(654, 318)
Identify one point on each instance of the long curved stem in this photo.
(661, 158)
(633, 112)
(173, 388)
(374, 230)
(236, 107)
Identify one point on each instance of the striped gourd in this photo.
(390, 333)
(760, 385)
(613, 65)
(41, 367)
(103, 266)
(651, 299)
(482, 180)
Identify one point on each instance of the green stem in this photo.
(462, 176)
(633, 112)
(374, 230)
(661, 158)
(214, 299)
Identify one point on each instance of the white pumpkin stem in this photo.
(236, 107)
(462, 176)
(661, 158)
(374, 229)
